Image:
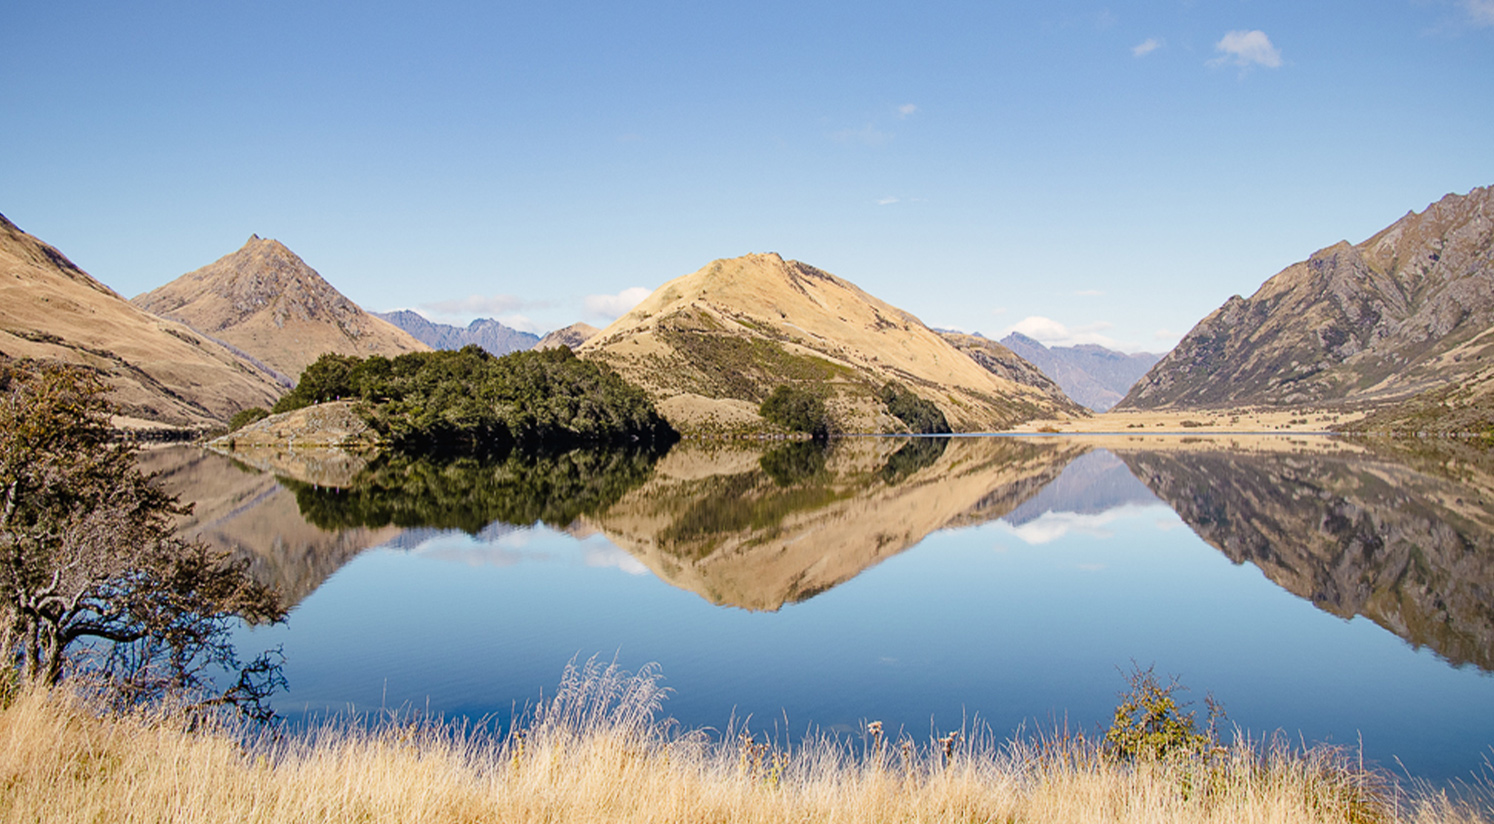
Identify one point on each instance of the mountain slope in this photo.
(1092, 375)
(1407, 311)
(265, 300)
(711, 345)
(161, 370)
(572, 336)
(1001, 361)
(485, 332)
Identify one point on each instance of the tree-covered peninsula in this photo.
(470, 401)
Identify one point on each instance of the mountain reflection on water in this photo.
(1407, 543)
(1404, 538)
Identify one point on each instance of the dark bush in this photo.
(796, 409)
(921, 415)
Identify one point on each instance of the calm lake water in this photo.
(1331, 591)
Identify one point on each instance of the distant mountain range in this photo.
(266, 301)
(485, 332)
(1092, 375)
(1407, 312)
(711, 345)
(160, 370)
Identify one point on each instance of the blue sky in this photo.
(1114, 171)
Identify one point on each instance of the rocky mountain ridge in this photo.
(488, 333)
(1406, 311)
(1093, 375)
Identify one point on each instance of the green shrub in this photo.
(1151, 724)
(922, 416)
(244, 417)
(796, 409)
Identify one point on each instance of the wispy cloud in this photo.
(1146, 47)
(889, 200)
(905, 110)
(611, 307)
(867, 135)
(1480, 12)
(1246, 49)
(1050, 332)
(473, 306)
(520, 322)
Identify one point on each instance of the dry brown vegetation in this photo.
(596, 753)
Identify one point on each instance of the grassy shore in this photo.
(595, 753)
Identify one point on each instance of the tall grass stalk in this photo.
(596, 751)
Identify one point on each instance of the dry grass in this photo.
(595, 753)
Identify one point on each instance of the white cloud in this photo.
(1089, 293)
(1246, 49)
(519, 322)
(1481, 12)
(888, 201)
(908, 108)
(1165, 334)
(474, 306)
(612, 307)
(1146, 47)
(1050, 332)
(611, 556)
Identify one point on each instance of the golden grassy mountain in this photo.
(1407, 311)
(572, 336)
(161, 370)
(266, 301)
(711, 345)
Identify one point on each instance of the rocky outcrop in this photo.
(1407, 311)
(1005, 363)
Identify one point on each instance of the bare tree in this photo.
(91, 577)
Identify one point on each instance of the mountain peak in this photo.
(267, 301)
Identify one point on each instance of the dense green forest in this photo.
(469, 400)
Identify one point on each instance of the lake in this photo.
(1329, 590)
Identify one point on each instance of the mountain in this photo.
(711, 345)
(1407, 311)
(485, 332)
(266, 301)
(572, 336)
(1092, 375)
(1001, 361)
(160, 370)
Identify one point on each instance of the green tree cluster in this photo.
(469, 400)
(922, 416)
(796, 409)
(92, 578)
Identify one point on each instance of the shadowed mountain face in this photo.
(1407, 311)
(758, 530)
(1408, 544)
(485, 332)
